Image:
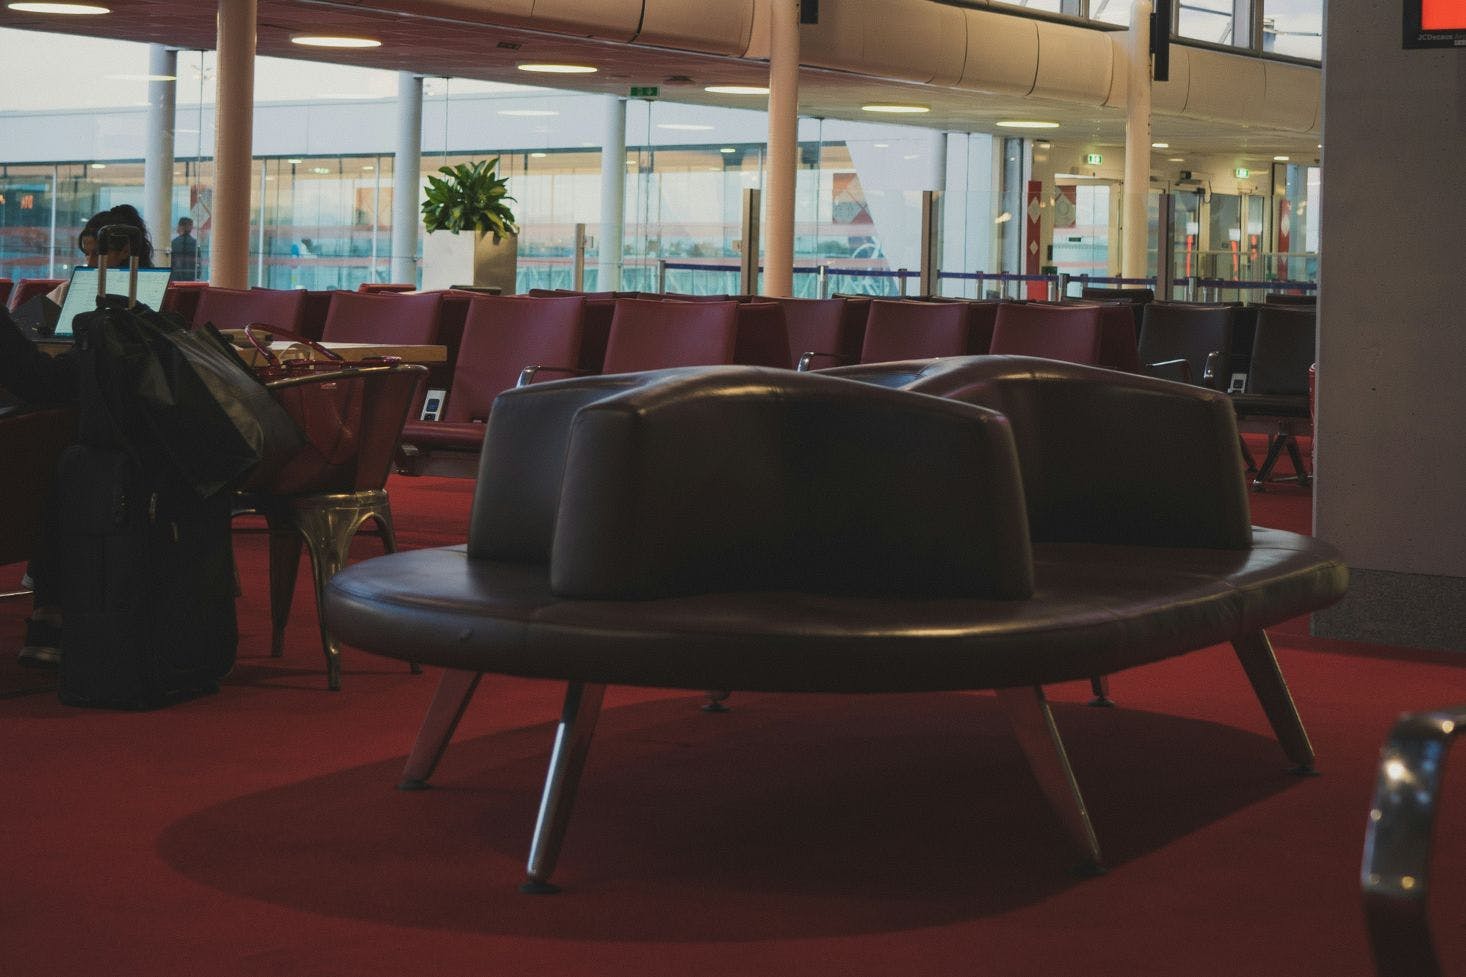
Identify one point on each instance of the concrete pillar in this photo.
(407, 178)
(158, 150)
(783, 152)
(613, 195)
(1391, 474)
(1137, 142)
(233, 142)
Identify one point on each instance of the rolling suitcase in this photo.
(148, 600)
(146, 560)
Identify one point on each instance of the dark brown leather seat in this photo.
(832, 537)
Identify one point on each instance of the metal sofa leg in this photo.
(572, 742)
(1296, 457)
(1033, 723)
(1255, 652)
(1100, 686)
(1274, 449)
(455, 690)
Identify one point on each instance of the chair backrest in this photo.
(313, 311)
(1189, 332)
(28, 288)
(1056, 332)
(595, 332)
(809, 484)
(763, 335)
(1087, 438)
(182, 298)
(649, 334)
(1284, 345)
(821, 326)
(380, 287)
(1290, 298)
(5, 286)
(235, 308)
(352, 421)
(365, 317)
(502, 334)
(30, 442)
(1135, 296)
(908, 330)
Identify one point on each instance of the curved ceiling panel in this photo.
(1292, 96)
(612, 19)
(1002, 54)
(1225, 87)
(722, 28)
(860, 35)
(1074, 63)
(1166, 97)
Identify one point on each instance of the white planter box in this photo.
(458, 259)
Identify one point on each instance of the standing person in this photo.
(185, 252)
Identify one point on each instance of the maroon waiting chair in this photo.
(649, 334)
(235, 308)
(915, 330)
(182, 299)
(763, 335)
(835, 326)
(502, 336)
(28, 288)
(396, 319)
(1073, 333)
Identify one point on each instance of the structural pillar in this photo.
(613, 196)
(233, 143)
(158, 152)
(406, 178)
(783, 147)
(1137, 143)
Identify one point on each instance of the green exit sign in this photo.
(1094, 159)
(645, 91)
(1241, 172)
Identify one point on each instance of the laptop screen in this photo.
(81, 294)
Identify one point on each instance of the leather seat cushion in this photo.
(1096, 609)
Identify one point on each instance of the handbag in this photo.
(176, 396)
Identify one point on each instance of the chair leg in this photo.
(1255, 652)
(455, 690)
(1028, 713)
(285, 545)
(1247, 455)
(716, 697)
(567, 761)
(1296, 457)
(1100, 686)
(1274, 448)
(327, 524)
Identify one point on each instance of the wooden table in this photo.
(350, 352)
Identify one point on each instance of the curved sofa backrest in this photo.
(741, 478)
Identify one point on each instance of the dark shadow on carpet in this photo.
(793, 816)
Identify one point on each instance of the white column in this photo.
(1137, 142)
(158, 152)
(233, 141)
(407, 178)
(783, 152)
(613, 195)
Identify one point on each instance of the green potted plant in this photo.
(472, 198)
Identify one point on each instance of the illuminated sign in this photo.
(1435, 23)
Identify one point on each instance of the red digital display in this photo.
(1443, 15)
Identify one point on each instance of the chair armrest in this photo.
(806, 358)
(527, 375)
(1170, 370)
(1212, 372)
(1397, 841)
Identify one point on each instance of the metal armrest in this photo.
(1210, 373)
(1397, 842)
(527, 375)
(806, 358)
(1178, 369)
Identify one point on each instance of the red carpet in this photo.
(258, 832)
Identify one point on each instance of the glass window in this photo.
(1293, 27)
(1110, 11)
(1206, 20)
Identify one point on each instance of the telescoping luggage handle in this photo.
(134, 240)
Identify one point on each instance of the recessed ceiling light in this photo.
(528, 113)
(1175, 159)
(538, 155)
(294, 162)
(1280, 159)
(328, 40)
(1026, 124)
(367, 166)
(684, 126)
(320, 170)
(881, 145)
(736, 89)
(1160, 145)
(99, 166)
(727, 149)
(71, 9)
(559, 69)
(895, 108)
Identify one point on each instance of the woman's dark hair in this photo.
(121, 214)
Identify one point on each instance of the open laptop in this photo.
(81, 294)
